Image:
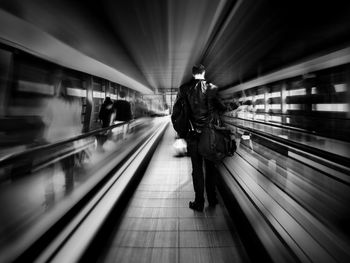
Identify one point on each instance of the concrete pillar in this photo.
(6, 62)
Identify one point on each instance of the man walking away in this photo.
(203, 102)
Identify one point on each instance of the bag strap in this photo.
(214, 118)
(187, 105)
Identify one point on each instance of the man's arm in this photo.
(235, 104)
(180, 94)
(179, 97)
(214, 99)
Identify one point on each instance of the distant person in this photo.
(106, 116)
(123, 111)
(203, 102)
(138, 112)
(122, 108)
(106, 112)
(62, 115)
(63, 121)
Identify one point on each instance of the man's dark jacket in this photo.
(123, 110)
(202, 100)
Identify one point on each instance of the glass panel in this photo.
(297, 92)
(336, 107)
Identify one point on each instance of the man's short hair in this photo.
(198, 69)
(108, 100)
(122, 94)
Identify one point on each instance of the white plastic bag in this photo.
(180, 147)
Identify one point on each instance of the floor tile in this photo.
(158, 226)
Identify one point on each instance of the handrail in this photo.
(287, 228)
(16, 156)
(59, 223)
(283, 126)
(344, 161)
(88, 222)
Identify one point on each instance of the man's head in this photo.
(108, 100)
(122, 94)
(198, 71)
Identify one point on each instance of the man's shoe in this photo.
(196, 206)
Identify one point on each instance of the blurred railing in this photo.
(43, 187)
(297, 139)
(44, 149)
(293, 191)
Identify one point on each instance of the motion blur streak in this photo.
(186, 26)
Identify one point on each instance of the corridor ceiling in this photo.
(156, 42)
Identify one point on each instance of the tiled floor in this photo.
(158, 226)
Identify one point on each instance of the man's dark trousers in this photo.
(198, 176)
